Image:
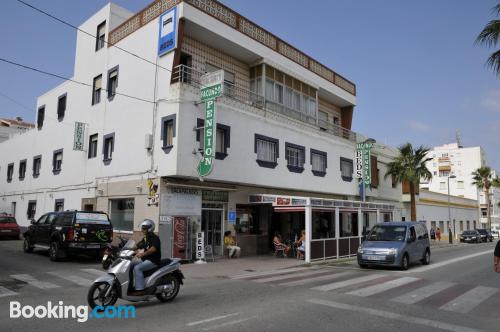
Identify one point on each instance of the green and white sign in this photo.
(363, 162)
(79, 141)
(211, 88)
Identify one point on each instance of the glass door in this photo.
(211, 224)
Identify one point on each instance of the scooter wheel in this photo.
(170, 294)
(95, 296)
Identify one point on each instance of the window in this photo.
(122, 214)
(394, 182)
(10, 172)
(444, 173)
(318, 162)
(112, 82)
(444, 155)
(267, 150)
(22, 169)
(295, 157)
(92, 146)
(61, 107)
(40, 117)
(57, 161)
(108, 147)
(168, 132)
(348, 224)
(222, 139)
(323, 225)
(460, 185)
(59, 205)
(96, 90)
(442, 185)
(37, 164)
(323, 119)
(100, 36)
(31, 210)
(346, 169)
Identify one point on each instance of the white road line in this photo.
(289, 276)
(233, 322)
(6, 292)
(451, 261)
(94, 272)
(394, 316)
(75, 279)
(211, 319)
(340, 284)
(375, 289)
(315, 279)
(418, 295)
(268, 273)
(469, 300)
(34, 282)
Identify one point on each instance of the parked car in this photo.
(9, 227)
(485, 235)
(495, 233)
(69, 231)
(471, 236)
(395, 244)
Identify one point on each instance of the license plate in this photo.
(374, 258)
(93, 246)
(5, 231)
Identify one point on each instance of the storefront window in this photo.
(323, 225)
(348, 224)
(122, 214)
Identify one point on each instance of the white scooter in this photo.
(163, 281)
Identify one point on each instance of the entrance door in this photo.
(211, 224)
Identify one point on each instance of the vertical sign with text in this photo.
(168, 31)
(363, 162)
(200, 245)
(79, 142)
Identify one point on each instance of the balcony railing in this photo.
(188, 75)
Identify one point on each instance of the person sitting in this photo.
(279, 245)
(230, 243)
(301, 243)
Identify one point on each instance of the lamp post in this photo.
(449, 208)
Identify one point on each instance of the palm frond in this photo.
(490, 34)
(493, 62)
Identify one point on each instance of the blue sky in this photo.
(419, 76)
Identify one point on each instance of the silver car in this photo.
(395, 244)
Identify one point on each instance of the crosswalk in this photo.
(47, 281)
(442, 295)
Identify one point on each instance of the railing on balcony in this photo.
(188, 75)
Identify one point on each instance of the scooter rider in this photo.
(150, 257)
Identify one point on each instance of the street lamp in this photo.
(449, 209)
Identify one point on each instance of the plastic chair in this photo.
(209, 251)
(279, 248)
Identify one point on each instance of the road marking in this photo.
(375, 289)
(233, 322)
(418, 295)
(311, 280)
(394, 316)
(6, 292)
(34, 282)
(75, 279)
(451, 261)
(211, 319)
(289, 276)
(268, 273)
(469, 300)
(340, 284)
(94, 272)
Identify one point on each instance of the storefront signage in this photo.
(200, 245)
(180, 237)
(79, 141)
(283, 201)
(363, 156)
(181, 202)
(215, 196)
(231, 217)
(255, 198)
(168, 31)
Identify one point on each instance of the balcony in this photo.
(187, 75)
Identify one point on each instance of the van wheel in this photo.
(427, 257)
(27, 246)
(405, 262)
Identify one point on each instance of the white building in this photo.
(11, 127)
(284, 149)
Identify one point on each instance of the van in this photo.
(395, 244)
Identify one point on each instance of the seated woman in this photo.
(301, 243)
(230, 243)
(278, 245)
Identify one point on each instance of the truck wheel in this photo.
(55, 251)
(27, 246)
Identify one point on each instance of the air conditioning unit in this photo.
(148, 142)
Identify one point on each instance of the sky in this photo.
(419, 76)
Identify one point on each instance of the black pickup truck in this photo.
(69, 231)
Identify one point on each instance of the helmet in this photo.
(148, 224)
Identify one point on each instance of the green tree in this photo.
(483, 179)
(409, 166)
(490, 37)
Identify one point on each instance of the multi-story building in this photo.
(11, 127)
(130, 144)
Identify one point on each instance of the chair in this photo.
(279, 248)
(209, 251)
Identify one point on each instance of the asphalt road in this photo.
(458, 291)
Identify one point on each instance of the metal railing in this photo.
(188, 75)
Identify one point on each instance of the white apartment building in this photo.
(284, 149)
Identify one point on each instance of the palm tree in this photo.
(490, 36)
(483, 179)
(410, 167)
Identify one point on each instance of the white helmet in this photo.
(148, 224)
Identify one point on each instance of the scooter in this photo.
(111, 253)
(162, 282)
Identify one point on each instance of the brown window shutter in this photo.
(374, 170)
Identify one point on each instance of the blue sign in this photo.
(168, 32)
(231, 217)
